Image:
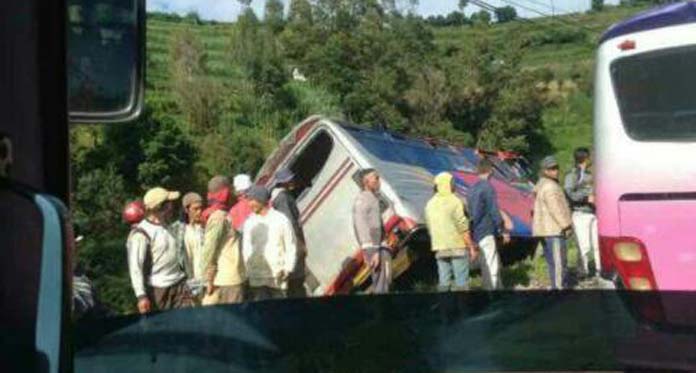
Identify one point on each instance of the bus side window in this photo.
(311, 161)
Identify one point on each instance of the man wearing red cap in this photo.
(221, 254)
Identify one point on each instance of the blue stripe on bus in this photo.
(664, 16)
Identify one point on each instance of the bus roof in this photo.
(663, 16)
(393, 147)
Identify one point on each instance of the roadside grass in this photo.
(527, 274)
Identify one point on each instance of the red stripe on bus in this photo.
(340, 283)
(324, 188)
(327, 192)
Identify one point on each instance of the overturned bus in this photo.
(325, 156)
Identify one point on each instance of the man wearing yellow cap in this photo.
(157, 278)
(449, 235)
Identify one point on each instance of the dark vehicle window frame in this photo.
(136, 99)
(658, 133)
(304, 156)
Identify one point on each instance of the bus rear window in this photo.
(656, 93)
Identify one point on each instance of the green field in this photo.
(566, 126)
(551, 55)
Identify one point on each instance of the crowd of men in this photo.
(468, 232)
(245, 242)
(220, 252)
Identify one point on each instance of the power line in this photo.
(491, 8)
(575, 23)
(553, 8)
(483, 4)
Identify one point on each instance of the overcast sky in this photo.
(228, 10)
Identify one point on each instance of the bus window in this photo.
(311, 161)
(655, 92)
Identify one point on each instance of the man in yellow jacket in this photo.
(552, 221)
(449, 235)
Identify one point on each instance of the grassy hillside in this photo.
(558, 56)
(565, 45)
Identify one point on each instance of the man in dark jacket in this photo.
(283, 201)
(487, 224)
(578, 185)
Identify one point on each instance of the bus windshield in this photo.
(656, 93)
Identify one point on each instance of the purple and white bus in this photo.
(645, 139)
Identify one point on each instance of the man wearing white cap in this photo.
(157, 278)
(242, 209)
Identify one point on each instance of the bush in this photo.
(597, 5)
(162, 16)
(169, 158)
(564, 35)
(97, 204)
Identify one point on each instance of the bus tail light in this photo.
(627, 252)
(627, 44)
(629, 257)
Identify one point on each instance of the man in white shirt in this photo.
(157, 278)
(194, 234)
(269, 247)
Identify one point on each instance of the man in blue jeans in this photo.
(487, 224)
(449, 235)
(552, 221)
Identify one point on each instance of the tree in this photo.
(98, 204)
(481, 17)
(169, 158)
(187, 55)
(274, 15)
(300, 11)
(462, 5)
(427, 101)
(198, 96)
(96, 212)
(193, 17)
(505, 14)
(455, 18)
(493, 100)
(597, 5)
(300, 33)
(256, 50)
